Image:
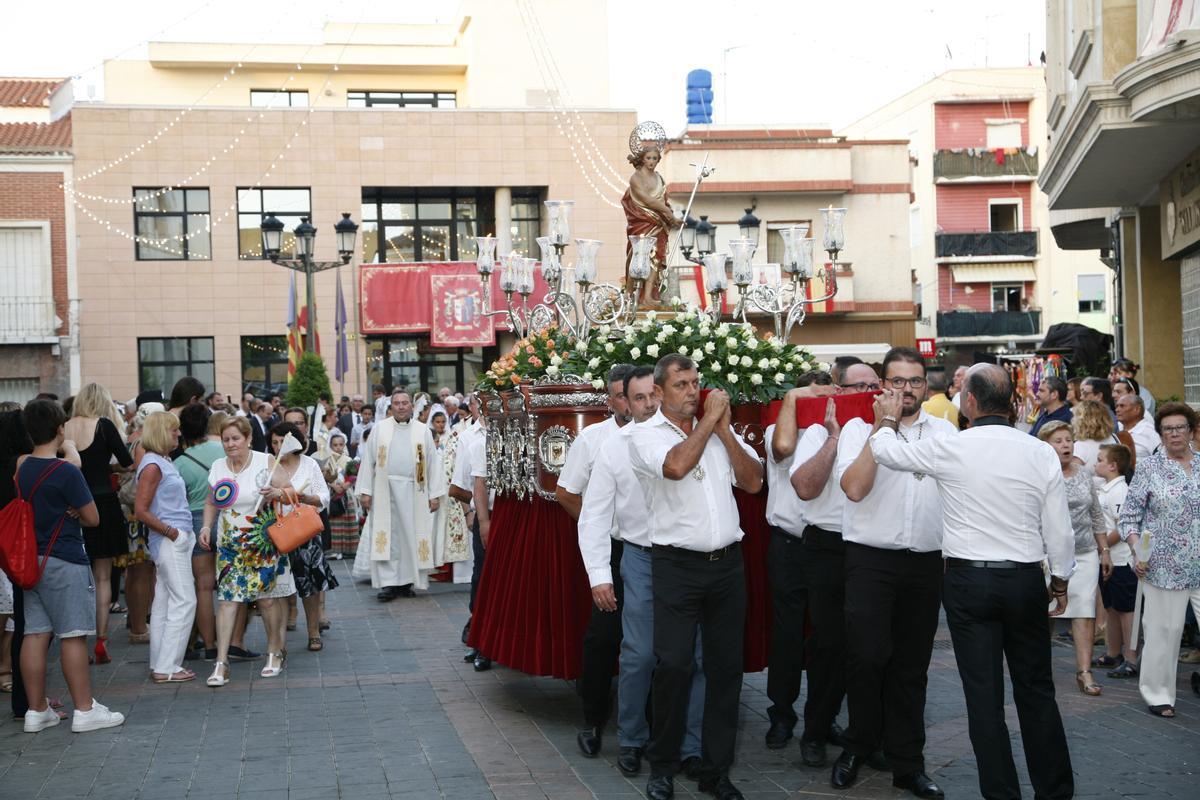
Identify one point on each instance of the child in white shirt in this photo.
(1114, 467)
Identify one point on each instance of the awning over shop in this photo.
(1004, 272)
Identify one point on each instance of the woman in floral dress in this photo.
(247, 571)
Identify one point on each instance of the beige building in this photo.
(1123, 169)
(786, 176)
(426, 135)
(989, 277)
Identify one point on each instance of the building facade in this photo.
(786, 176)
(1123, 169)
(989, 279)
(426, 135)
(38, 332)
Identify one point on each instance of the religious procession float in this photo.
(534, 599)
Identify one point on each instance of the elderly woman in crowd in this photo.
(246, 572)
(310, 571)
(1163, 504)
(161, 505)
(200, 430)
(1087, 521)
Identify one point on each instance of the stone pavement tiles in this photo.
(389, 710)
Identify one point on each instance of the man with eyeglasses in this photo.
(823, 552)
(892, 528)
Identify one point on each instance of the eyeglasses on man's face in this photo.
(900, 383)
(862, 386)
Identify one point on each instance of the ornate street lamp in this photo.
(749, 225)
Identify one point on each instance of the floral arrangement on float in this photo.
(729, 355)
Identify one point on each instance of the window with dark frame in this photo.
(287, 205)
(161, 362)
(1004, 217)
(279, 98)
(1007, 296)
(410, 363)
(264, 365)
(179, 218)
(376, 99)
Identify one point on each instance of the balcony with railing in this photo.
(28, 321)
(958, 165)
(1009, 244)
(954, 324)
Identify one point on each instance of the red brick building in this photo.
(38, 351)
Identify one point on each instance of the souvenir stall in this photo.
(534, 600)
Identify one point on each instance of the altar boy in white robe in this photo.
(401, 467)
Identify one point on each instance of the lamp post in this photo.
(699, 236)
(306, 235)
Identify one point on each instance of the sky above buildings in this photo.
(779, 62)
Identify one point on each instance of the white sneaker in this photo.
(99, 717)
(40, 720)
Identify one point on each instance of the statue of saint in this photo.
(647, 212)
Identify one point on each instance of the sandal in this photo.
(1166, 712)
(117, 608)
(270, 671)
(323, 625)
(315, 644)
(139, 638)
(183, 676)
(1088, 687)
(220, 676)
(6, 683)
(1128, 669)
(1108, 662)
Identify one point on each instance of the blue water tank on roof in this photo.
(699, 97)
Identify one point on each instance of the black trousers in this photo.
(477, 563)
(824, 572)
(998, 615)
(892, 599)
(690, 590)
(601, 649)
(20, 703)
(789, 605)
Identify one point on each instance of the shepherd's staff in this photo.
(702, 172)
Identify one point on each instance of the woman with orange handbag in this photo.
(299, 474)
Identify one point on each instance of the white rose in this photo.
(651, 351)
(635, 353)
(662, 336)
(676, 301)
(723, 329)
(604, 330)
(705, 328)
(668, 329)
(747, 361)
(651, 315)
(552, 369)
(764, 363)
(581, 345)
(608, 347)
(683, 350)
(687, 330)
(751, 342)
(709, 347)
(730, 342)
(587, 376)
(594, 363)
(780, 377)
(777, 344)
(630, 338)
(597, 384)
(756, 379)
(773, 363)
(823, 366)
(697, 356)
(732, 377)
(734, 361)
(555, 360)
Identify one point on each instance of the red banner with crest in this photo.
(457, 305)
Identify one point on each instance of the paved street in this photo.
(389, 710)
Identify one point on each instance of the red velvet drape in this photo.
(534, 601)
(752, 508)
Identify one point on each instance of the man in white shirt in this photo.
(892, 529)
(688, 470)
(1131, 413)
(361, 430)
(785, 564)
(1005, 509)
(614, 515)
(602, 639)
(823, 562)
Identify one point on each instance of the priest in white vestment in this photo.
(400, 484)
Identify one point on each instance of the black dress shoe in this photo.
(405, 591)
(721, 788)
(589, 742)
(660, 787)
(837, 735)
(812, 753)
(878, 761)
(482, 663)
(387, 594)
(629, 760)
(471, 655)
(845, 770)
(919, 784)
(691, 767)
(778, 735)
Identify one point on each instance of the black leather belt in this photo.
(715, 555)
(963, 562)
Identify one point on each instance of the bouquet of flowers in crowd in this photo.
(729, 356)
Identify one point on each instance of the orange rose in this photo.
(516, 379)
(535, 361)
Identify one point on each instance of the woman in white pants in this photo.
(161, 505)
(1164, 503)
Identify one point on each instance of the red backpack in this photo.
(18, 540)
